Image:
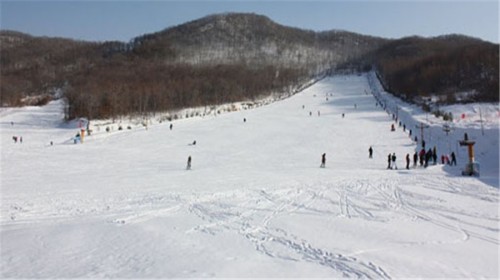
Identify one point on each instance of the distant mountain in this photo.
(229, 57)
(255, 40)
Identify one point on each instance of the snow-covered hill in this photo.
(255, 203)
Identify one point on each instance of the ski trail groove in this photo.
(276, 242)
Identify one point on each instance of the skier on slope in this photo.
(422, 156)
(394, 161)
(370, 152)
(407, 161)
(453, 159)
(188, 167)
(415, 159)
(323, 160)
(428, 157)
(389, 161)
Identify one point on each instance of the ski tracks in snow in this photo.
(252, 214)
(428, 208)
(262, 216)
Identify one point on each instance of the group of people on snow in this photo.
(391, 161)
(16, 138)
(423, 157)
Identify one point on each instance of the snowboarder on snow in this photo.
(370, 152)
(323, 160)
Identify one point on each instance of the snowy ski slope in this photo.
(256, 203)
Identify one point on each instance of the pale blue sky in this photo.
(123, 20)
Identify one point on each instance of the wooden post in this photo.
(82, 134)
(472, 167)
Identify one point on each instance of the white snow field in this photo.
(255, 203)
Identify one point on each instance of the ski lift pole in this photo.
(481, 120)
(447, 128)
(422, 126)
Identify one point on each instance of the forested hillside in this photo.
(454, 67)
(229, 57)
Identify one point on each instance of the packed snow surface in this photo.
(255, 203)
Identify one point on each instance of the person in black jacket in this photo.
(370, 152)
(188, 167)
(407, 161)
(323, 161)
(434, 155)
(394, 161)
(453, 159)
